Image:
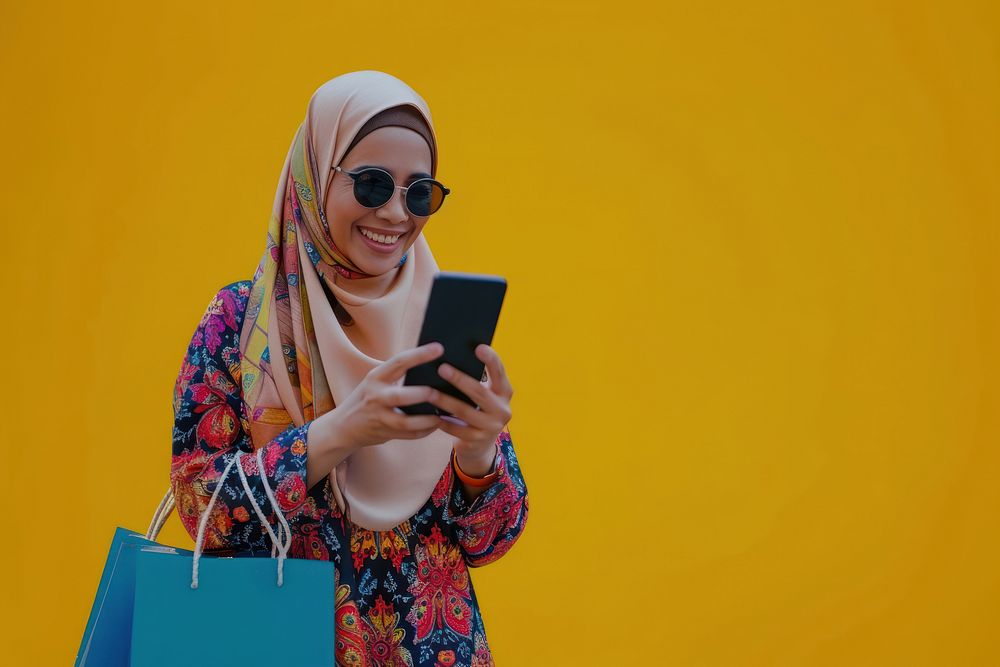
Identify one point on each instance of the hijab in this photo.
(299, 359)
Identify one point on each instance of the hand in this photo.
(477, 437)
(369, 415)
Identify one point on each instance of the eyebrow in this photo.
(417, 174)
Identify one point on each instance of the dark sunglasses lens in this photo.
(424, 197)
(373, 187)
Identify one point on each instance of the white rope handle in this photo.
(282, 547)
(163, 511)
(282, 522)
(200, 540)
(276, 542)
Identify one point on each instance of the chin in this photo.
(376, 265)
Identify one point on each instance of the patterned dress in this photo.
(404, 595)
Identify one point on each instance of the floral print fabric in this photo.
(403, 596)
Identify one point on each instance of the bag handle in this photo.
(161, 514)
(166, 507)
(281, 543)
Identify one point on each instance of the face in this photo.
(404, 154)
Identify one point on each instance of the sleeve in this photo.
(488, 527)
(210, 426)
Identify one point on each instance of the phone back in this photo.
(462, 313)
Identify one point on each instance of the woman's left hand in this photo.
(478, 437)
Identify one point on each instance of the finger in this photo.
(469, 386)
(490, 403)
(499, 383)
(396, 395)
(396, 366)
(403, 423)
(464, 411)
(466, 433)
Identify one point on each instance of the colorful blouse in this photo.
(404, 595)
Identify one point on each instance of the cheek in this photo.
(341, 212)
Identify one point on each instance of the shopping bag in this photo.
(159, 605)
(236, 616)
(107, 636)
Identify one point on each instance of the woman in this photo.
(306, 362)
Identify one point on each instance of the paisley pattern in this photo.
(404, 596)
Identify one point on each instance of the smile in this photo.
(384, 239)
(385, 244)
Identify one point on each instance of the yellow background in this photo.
(752, 318)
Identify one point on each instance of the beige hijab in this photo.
(298, 360)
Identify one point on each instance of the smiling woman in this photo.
(305, 360)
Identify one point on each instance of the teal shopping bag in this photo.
(158, 605)
(238, 615)
(107, 638)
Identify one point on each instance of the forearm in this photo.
(196, 472)
(327, 447)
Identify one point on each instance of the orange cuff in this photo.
(477, 481)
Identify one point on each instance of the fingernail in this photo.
(445, 370)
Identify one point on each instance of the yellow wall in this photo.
(752, 317)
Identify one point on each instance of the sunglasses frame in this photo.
(355, 174)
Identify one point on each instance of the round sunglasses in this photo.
(374, 187)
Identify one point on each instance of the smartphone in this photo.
(462, 312)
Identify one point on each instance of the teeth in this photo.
(381, 238)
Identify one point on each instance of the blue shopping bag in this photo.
(236, 616)
(107, 639)
(159, 605)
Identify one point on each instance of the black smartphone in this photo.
(462, 312)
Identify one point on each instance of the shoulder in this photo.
(228, 305)
(211, 365)
(230, 299)
(223, 318)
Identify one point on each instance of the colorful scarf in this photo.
(298, 360)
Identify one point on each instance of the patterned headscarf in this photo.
(298, 361)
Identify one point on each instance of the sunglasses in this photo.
(374, 187)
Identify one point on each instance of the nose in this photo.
(394, 210)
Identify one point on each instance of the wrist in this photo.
(327, 434)
(329, 443)
(476, 463)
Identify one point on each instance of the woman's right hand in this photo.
(368, 416)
